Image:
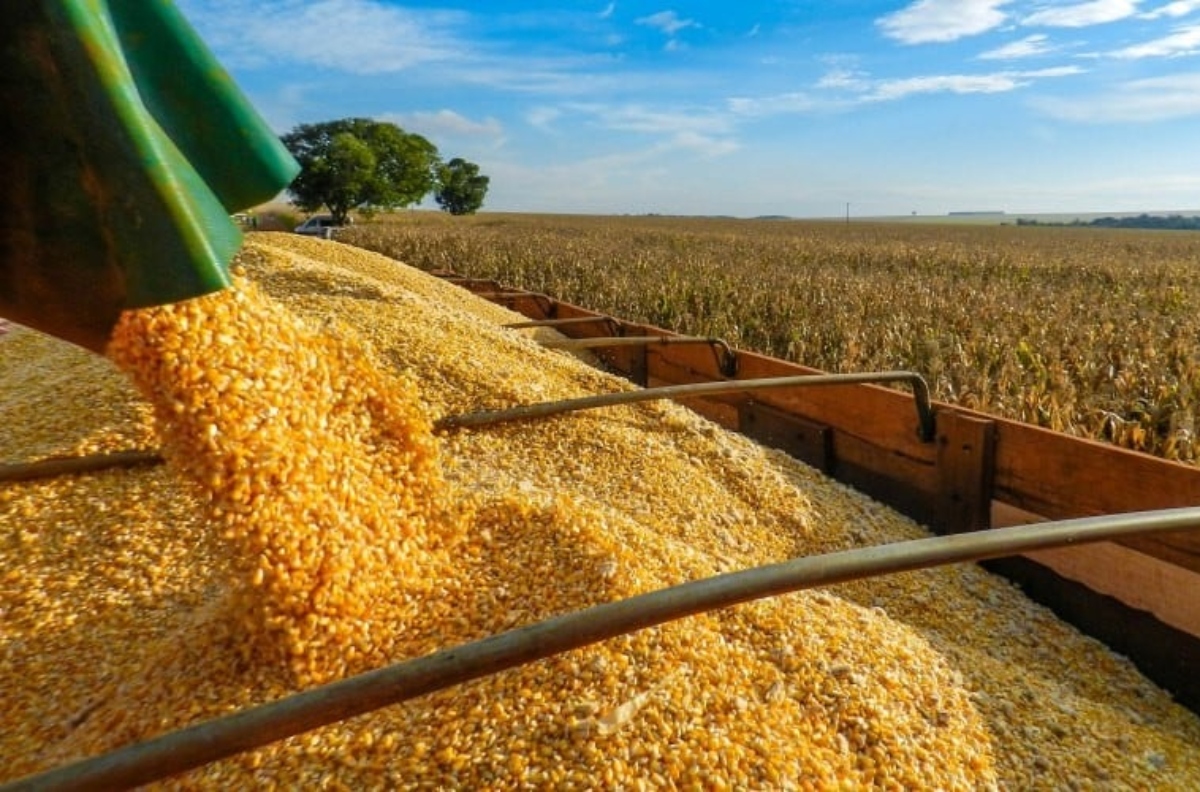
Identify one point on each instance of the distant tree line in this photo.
(1170, 222)
(371, 166)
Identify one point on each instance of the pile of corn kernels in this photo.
(309, 525)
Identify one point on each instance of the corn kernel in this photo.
(309, 526)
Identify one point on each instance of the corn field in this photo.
(1092, 332)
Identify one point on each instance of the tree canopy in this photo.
(359, 162)
(1173, 222)
(461, 187)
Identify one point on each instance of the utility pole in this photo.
(847, 213)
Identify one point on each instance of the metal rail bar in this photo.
(726, 357)
(216, 739)
(544, 301)
(925, 417)
(89, 463)
(573, 320)
(497, 295)
(462, 280)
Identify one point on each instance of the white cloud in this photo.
(702, 131)
(666, 21)
(625, 180)
(286, 106)
(862, 89)
(561, 76)
(1037, 44)
(927, 21)
(609, 183)
(997, 82)
(608, 11)
(1175, 10)
(446, 122)
(844, 79)
(373, 37)
(1183, 41)
(354, 36)
(778, 104)
(639, 118)
(704, 145)
(1054, 71)
(889, 90)
(699, 132)
(542, 117)
(1094, 12)
(1136, 101)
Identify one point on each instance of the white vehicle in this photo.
(318, 225)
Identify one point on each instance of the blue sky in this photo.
(752, 108)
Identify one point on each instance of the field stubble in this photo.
(1092, 332)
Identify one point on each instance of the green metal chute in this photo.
(126, 148)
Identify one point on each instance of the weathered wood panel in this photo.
(873, 437)
(966, 472)
(1059, 477)
(1140, 581)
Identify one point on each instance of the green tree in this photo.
(359, 162)
(461, 187)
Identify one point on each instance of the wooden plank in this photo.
(718, 412)
(882, 416)
(681, 365)
(890, 477)
(1059, 476)
(1140, 581)
(1181, 549)
(807, 441)
(628, 361)
(535, 306)
(477, 285)
(965, 472)
(604, 326)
